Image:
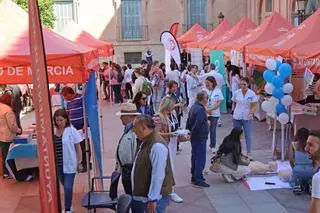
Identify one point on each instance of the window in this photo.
(131, 28)
(63, 9)
(132, 57)
(197, 13)
(269, 7)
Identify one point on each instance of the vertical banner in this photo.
(91, 106)
(47, 170)
(171, 45)
(217, 58)
(174, 29)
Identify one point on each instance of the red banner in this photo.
(174, 29)
(48, 179)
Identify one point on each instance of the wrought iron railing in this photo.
(186, 27)
(132, 33)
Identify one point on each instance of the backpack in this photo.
(120, 77)
(146, 87)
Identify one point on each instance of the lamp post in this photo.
(220, 17)
(301, 9)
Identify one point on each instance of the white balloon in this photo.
(268, 106)
(283, 118)
(287, 100)
(271, 64)
(287, 88)
(269, 88)
(274, 100)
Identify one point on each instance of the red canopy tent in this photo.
(216, 33)
(195, 33)
(307, 56)
(274, 26)
(67, 61)
(74, 33)
(305, 33)
(244, 26)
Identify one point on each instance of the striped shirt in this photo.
(58, 150)
(75, 111)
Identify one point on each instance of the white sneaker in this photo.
(176, 198)
(228, 178)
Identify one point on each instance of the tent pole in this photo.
(273, 148)
(282, 142)
(86, 138)
(101, 118)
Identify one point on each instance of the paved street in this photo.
(220, 197)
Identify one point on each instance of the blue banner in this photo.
(91, 104)
(217, 58)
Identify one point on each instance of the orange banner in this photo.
(48, 179)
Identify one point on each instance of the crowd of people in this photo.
(153, 101)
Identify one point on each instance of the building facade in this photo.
(134, 26)
(293, 10)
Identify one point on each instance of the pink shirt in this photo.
(114, 78)
(157, 71)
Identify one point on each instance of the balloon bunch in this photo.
(275, 76)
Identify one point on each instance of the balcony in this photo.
(208, 27)
(132, 33)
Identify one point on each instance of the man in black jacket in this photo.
(197, 124)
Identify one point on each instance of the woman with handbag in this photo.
(167, 124)
(233, 165)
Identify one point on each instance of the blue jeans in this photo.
(67, 181)
(247, 128)
(141, 207)
(198, 159)
(302, 173)
(213, 130)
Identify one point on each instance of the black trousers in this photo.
(117, 93)
(129, 93)
(84, 154)
(4, 151)
(127, 186)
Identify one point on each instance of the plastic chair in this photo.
(124, 203)
(102, 199)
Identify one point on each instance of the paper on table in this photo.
(258, 183)
(283, 165)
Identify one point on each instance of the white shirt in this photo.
(316, 185)
(174, 76)
(192, 85)
(243, 104)
(70, 137)
(128, 76)
(214, 96)
(235, 82)
(219, 78)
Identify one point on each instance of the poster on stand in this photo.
(196, 57)
(217, 58)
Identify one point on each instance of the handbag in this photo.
(183, 138)
(215, 164)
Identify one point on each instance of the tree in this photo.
(46, 11)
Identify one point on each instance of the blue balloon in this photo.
(277, 81)
(280, 108)
(278, 64)
(268, 75)
(285, 70)
(277, 93)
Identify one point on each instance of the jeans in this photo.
(129, 93)
(213, 130)
(302, 173)
(67, 181)
(105, 88)
(156, 98)
(247, 128)
(141, 207)
(117, 93)
(4, 151)
(198, 159)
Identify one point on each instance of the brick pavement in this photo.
(220, 197)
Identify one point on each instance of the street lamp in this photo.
(301, 4)
(220, 17)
